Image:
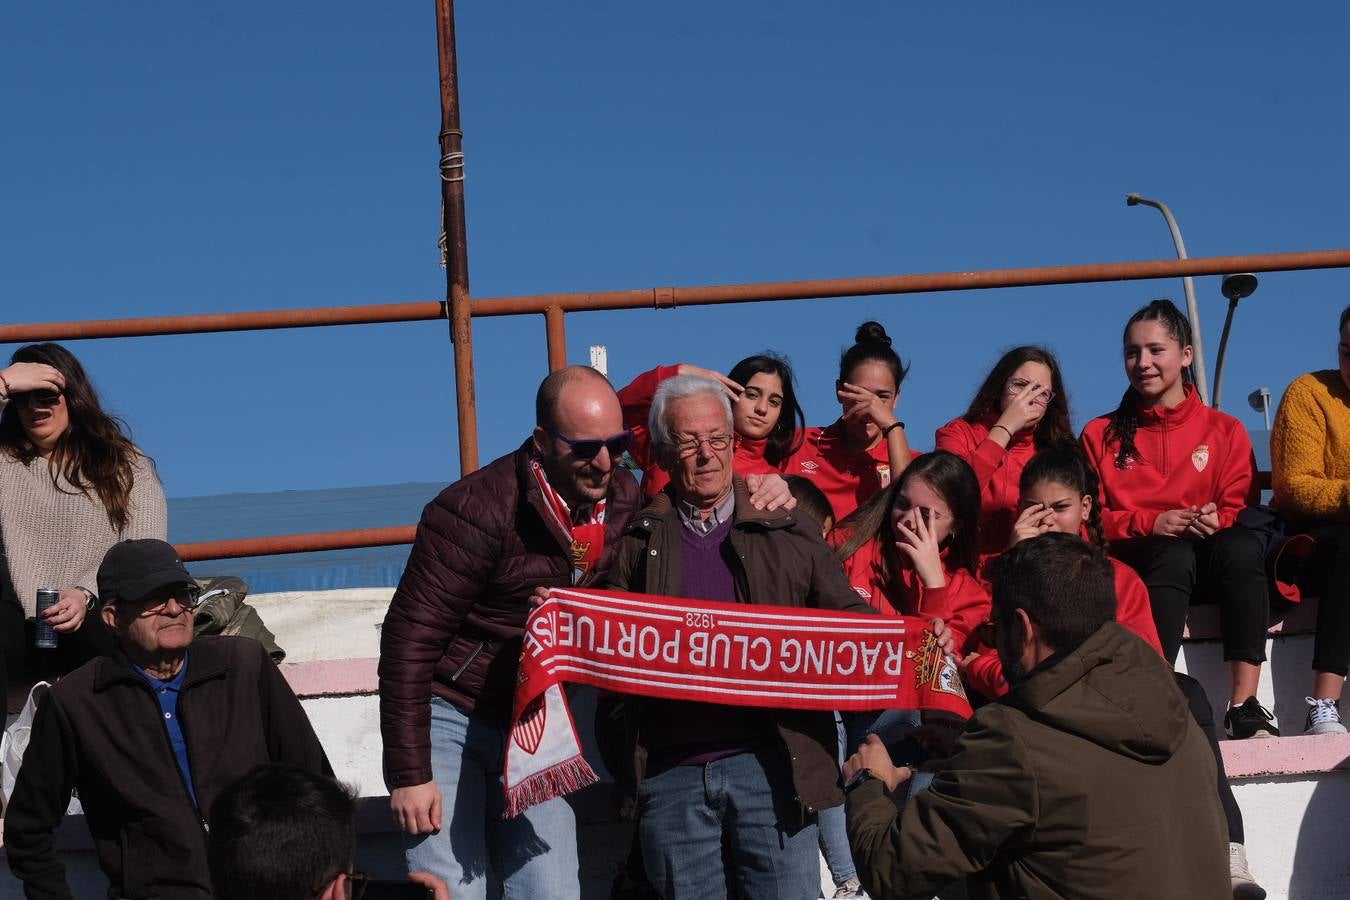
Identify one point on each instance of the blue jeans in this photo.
(891, 725)
(834, 832)
(746, 801)
(533, 855)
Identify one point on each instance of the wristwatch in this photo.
(860, 776)
(89, 599)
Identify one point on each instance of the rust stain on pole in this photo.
(456, 238)
(555, 330)
(297, 543)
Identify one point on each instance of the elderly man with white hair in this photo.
(709, 775)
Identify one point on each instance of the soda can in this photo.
(44, 635)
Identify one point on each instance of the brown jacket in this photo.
(455, 624)
(1088, 780)
(782, 561)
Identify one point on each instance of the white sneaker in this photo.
(1244, 885)
(1324, 717)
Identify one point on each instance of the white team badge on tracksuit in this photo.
(1200, 457)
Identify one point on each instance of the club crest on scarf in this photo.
(586, 537)
(935, 669)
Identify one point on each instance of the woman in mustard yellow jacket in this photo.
(1310, 463)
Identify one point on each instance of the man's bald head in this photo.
(570, 385)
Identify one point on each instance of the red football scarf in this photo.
(588, 538)
(732, 653)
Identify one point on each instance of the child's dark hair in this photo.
(954, 480)
(811, 500)
(786, 435)
(1345, 317)
(1054, 425)
(871, 344)
(1124, 420)
(1065, 463)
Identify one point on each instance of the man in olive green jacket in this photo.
(1089, 779)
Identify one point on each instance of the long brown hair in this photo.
(953, 479)
(95, 452)
(1054, 425)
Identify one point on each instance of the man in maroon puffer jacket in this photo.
(549, 514)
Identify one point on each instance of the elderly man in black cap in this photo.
(149, 737)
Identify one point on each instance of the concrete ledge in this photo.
(1279, 757)
(332, 677)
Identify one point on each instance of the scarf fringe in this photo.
(555, 781)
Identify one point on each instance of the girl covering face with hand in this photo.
(1019, 409)
(866, 448)
(911, 550)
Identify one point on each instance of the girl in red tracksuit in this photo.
(866, 447)
(766, 417)
(1059, 493)
(912, 550)
(1174, 476)
(1020, 409)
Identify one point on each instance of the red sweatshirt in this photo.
(963, 602)
(985, 673)
(846, 477)
(997, 469)
(1187, 456)
(636, 400)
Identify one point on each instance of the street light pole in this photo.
(1188, 284)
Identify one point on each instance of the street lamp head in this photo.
(1236, 287)
(1132, 199)
(1259, 399)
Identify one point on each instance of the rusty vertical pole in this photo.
(555, 331)
(456, 240)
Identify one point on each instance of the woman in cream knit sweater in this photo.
(1310, 468)
(72, 484)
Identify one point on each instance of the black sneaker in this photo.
(1249, 719)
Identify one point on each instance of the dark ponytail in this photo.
(1065, 463)
(871, 343)
(1123, 422)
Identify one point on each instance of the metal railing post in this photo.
(555, 330)
(456, 239)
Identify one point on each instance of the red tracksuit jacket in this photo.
(963, 602)
(985, 673)
(1187, 456)
(998, 471)
(846, 477)
(636, 400)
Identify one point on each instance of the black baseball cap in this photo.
(132, 570)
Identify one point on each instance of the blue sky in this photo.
(163, 157)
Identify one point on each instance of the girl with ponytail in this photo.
(1174, 476)
(1058, 492)
(866, 448)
